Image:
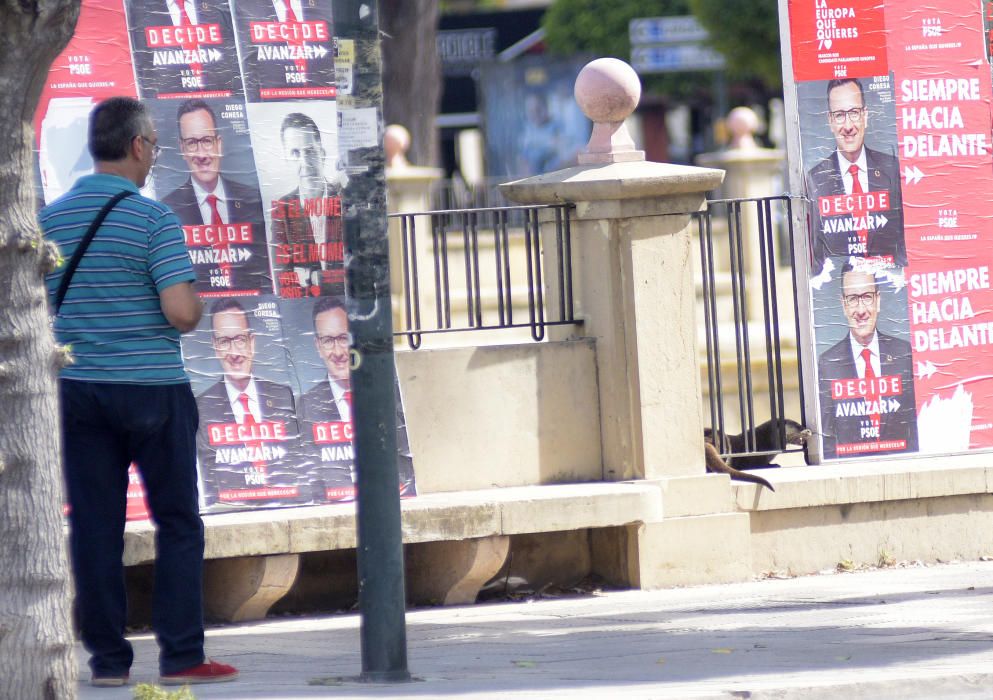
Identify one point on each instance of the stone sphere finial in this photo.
(608, 90)
(396, 143)
(742, 123)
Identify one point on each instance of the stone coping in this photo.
(924, 476)
(433, 517)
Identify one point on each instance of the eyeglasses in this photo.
(840, 116)
(239, 342)
(204, 143)
(156, 148)
(328, 342)
(865, 299)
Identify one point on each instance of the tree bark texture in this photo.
(412, 73)
(36, 645)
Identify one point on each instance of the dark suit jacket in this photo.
(222, 74)
(245, 206)
(825, 179)
(839, 363)
(262, 71)
(276, 402)
(318, 405)
(293, 247)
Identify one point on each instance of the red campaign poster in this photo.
(943, 95)
(899, 287)
(837, 39)
(286, 48)
(96, 64)
(184, 49)
(137, 508)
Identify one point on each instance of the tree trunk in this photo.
(36, 645)
(412, 73)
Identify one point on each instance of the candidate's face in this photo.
(303, 149)
(860, 300)
(332, 340)
(234, 345)
(201, 147)
(847, 117)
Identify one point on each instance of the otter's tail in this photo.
(716, 465)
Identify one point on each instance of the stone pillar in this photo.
(752, 172)
(408, 190)
(633, 281)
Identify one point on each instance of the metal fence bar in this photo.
(518, 251)
(705, 232)
(412, 298)
(739, 211)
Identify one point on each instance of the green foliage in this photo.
(147, 691)
(747, 33)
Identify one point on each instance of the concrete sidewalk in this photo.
(914, 632)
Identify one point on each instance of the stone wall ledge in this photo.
(895, 479)
(436, 517)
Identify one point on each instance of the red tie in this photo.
(301, 63)
(859, 213)
(348, 399)
(248, 418)
(189, 43)
(221, 246)
(872, 396)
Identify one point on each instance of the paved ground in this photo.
(915, 632)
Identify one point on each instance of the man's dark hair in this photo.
(299, 120)
(848, 267)
(838, 82)
(227, 304)
(114, 123)
(327, 304)
(195, 105)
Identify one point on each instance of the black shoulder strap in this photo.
(83, 245)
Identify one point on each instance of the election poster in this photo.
(242, 97)
(286, 49)
(184, 49)
(893, 128)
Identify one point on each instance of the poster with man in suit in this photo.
(206, 175)
(320, 343)
(866, 380)
(247, 444)
(184, 48)
(856, 201)
(287, 49)
(301, 185)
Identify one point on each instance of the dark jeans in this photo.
(105, 428)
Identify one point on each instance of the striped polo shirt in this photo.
(111, 315)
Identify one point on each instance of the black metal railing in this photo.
(750, 230)
(495, 290)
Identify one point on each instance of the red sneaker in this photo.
(207, 672)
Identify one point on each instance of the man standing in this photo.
(126, 397)
(306, 223)
(226, 213)
(868, 220)
(246, 423)
(866, 380)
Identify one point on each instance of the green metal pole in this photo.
(380, 545)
